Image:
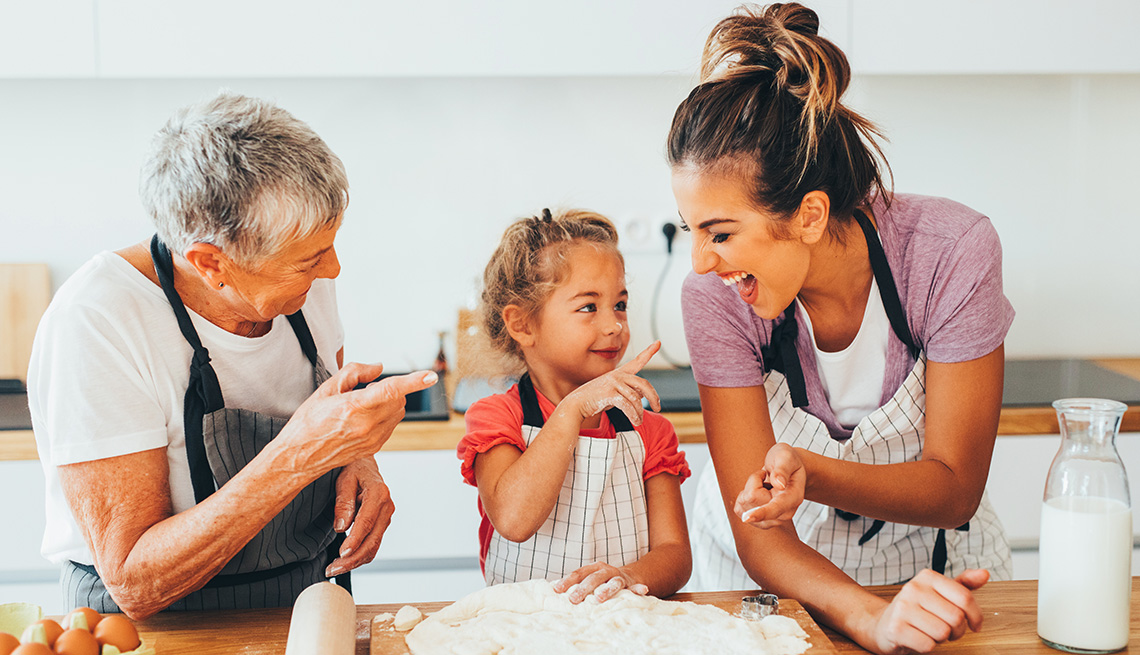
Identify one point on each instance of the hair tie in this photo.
(546, 217)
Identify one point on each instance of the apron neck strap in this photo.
(203, 392)
(304, 336)
(886, 281)
(532, 413)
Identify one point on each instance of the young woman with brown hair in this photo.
(848, 344)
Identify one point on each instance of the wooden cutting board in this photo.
(387, 641)
(25, 291)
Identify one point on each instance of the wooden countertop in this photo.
(1009, 608)
(445, 435)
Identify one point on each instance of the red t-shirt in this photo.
(498, 420)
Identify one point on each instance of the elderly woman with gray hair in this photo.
(201, 448)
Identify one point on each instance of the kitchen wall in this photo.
(439, 166)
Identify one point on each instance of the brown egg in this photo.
(52, 630)
(117, 630)
(76, 641)
(8, 643)
(89, 615)
(34, 648)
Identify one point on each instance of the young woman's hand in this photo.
(929, 610)
(600, 579)
(620, 388)
(772, 494)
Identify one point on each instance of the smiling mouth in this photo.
(608, 354)
(732, 278)
(745, 284)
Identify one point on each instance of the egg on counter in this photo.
(76, 641)
(8, 643)
(117, 630)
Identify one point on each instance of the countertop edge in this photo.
(19, 445)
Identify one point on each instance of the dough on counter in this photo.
(407, 618)
(529, 617)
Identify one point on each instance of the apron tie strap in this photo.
(781, 356)
(204, 393)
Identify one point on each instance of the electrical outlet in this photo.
(642, 234)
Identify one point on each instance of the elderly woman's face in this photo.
(280, 285)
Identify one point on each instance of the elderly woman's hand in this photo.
(339, 425)
(364, 508)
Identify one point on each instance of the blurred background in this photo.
(454, 118)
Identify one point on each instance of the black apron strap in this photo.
(780, 355)
(204, 394)
(532, 414)
(938, 561)
(304, 336)
(887, 289)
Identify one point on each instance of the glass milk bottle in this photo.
(1085, 579)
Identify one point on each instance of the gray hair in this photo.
(242, 174)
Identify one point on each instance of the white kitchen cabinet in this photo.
(291, 38)
(995, 36)
(522, 38)
(48, 39)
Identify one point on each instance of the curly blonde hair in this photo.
(530, 262)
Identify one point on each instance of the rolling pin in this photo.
(323, 622)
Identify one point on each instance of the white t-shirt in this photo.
(110, 368)
(853, 377)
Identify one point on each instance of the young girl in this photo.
(577, 484)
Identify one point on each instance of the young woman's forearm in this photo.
(782, 564)
(926, 492)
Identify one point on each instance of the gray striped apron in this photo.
(871, 551)
(292, 551)
(600, 515)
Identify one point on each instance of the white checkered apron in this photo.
(889, 435)
(600, 515)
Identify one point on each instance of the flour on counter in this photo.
(529, 617)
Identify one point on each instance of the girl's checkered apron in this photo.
(600, 514)
(870, 551)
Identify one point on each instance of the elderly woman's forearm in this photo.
(149, 557)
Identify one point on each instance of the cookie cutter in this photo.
(757, 607)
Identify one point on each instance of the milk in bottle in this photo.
(1085, 577)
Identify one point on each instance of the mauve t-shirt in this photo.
(946, 262)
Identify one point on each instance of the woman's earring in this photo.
(221, 284)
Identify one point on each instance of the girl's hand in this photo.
(772, 494)
(620, 388)
(929, 610)
(599, 578)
